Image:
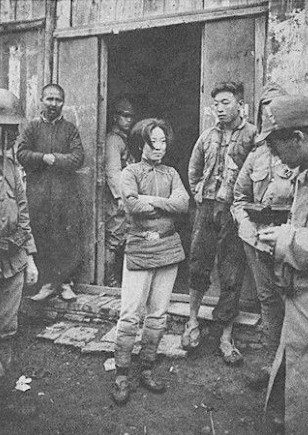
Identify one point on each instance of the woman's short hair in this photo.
(141, 132)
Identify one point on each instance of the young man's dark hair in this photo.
(55, 86)
(236, 88)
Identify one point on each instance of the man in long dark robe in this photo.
(50, 150)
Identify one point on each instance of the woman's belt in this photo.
(151, 236)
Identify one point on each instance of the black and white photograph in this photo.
(153, 217)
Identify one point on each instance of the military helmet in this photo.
(10, 109)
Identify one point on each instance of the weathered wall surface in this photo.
(287, 62)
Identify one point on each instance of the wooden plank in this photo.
(179, 304)
(129, 9)
(212, 4)
(7, 10)
(23, 26)
(107, 11)
(226, 59)
(85, 12)
(183, 5)
(260, 59)
(153, 7)
(175, 297)
(100, 197)
(33, 67)
(24, 10)
(205, 312)
(55, 69)
(51, 19)
(166, 20)
(81, 85)
(40, 65)
(38, 8)
(63, 14)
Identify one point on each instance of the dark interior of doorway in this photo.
(159, 69)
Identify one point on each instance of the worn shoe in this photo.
(191, 336)
(120, 392)
(259, 379)
(148, 382)
(67, 293)
(46, 291)
(230, 354)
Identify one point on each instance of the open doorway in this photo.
(160, 70)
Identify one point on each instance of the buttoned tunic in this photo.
(53, 195)
(291, 258)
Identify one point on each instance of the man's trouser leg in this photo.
(137, 294)
(201, 262)
(10, 297)
(116, 229)
(272, 306)
(203, 248)
(231, 263)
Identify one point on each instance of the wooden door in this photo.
(232, 49)
(78, 73)
(100, 195)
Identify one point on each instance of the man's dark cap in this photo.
(270, 91)
(123, 107)
(282, 113)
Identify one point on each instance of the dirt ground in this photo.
(70, 393)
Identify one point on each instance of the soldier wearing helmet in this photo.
(16, 241)
(118, 157)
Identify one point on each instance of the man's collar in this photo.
(44, 119)
(242, 124)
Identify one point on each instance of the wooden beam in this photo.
(64, 13)
(100, 158)
(260, 59)
(206, 312)
(51, 18)
(23, 10)
(175, 297)
(22, 26)
(161, 21)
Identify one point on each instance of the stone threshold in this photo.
(98, 304)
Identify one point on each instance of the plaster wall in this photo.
(287, 62)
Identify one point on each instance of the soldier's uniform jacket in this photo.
(16, 240)
(265, 180)
(214, 164)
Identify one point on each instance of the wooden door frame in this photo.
(101, 174)
(260, 34)
(260, 20)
